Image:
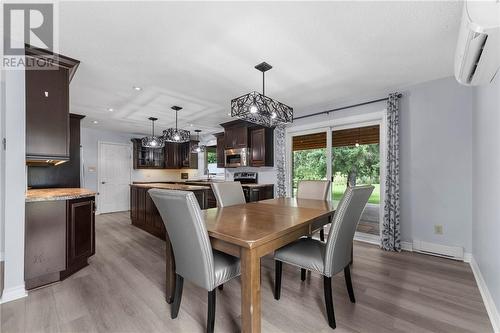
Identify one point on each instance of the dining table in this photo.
(250, 231)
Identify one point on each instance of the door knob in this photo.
(103, 182)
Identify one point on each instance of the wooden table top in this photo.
(253, 224)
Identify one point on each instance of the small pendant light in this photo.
(176, 134)
(153, 141)
(197, 148)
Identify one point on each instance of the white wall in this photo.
(435, 161)
(15, 185)
(486, 187)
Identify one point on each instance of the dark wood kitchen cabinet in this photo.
(80, 229)
(60, 237)
(147, 158)
(47, 107)
(262, 147)
(221, 163)
(172, 155)
(145, 215)
(235, 135)
(187, 159)
(253, 194)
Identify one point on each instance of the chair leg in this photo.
(211, 311)
(302, 274)
(348, 283)
(221, 287)
(327, 286)
(174, 310)
(352, 254)
(322, 235)
(277, 279)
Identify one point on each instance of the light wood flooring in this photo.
(122, 291)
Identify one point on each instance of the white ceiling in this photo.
(201, 55)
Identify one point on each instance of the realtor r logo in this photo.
(27, 23)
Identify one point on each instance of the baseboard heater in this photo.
(445, 251)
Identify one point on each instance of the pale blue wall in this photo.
(486, 186)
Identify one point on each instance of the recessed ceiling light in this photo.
(229, 113)
(137, 88)
(95, 122)
(111, 109)
(190, 125)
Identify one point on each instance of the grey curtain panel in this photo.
(391, 235)
(280, 153)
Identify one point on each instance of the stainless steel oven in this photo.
(236, 157)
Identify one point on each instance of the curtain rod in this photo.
(344, 107)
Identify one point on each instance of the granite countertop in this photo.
(203, 183)
(52, 194)
(180, 187)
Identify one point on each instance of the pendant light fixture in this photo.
(197, 148)
(176, 134)
(260, 109)
(153, 141)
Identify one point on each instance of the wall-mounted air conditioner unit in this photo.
(477, 58)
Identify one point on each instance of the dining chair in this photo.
(228, 194)
(316, 190)
(195, 260)
(333, 256)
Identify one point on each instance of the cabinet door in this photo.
(258, 144)
(47, 113)
(80, 230)
(241, 137)
(133, 203)
(229, 138)
(220, 151)
(172, 155)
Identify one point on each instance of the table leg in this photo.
(169, 271)
(250, 291)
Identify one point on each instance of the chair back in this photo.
(228, 194)
(344, 224)
(313, 189)
(188, 235)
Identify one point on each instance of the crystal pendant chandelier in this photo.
(153, 141)
(197, 148)
(260, 109)
(176, 134)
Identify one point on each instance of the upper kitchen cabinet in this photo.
(187, 159)
(47, 106)
(262, 147)
(235, 134)
(147, 158)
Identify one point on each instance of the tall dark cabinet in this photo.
(47, 106)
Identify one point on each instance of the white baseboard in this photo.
(467, 257)
(407, 246)
(439, 250)
(367, 238)
(485, 294)
(11, 294)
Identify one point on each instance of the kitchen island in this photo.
(143, 212)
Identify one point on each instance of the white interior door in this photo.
(115, 166)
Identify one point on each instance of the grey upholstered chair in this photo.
(334, 256)
(195, 259)
(316, 190)
(228, 194)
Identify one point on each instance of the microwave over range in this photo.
(234, 158)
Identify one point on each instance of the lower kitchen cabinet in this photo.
(258, 193)
(80, 228)
(60, 237)
(145, 215)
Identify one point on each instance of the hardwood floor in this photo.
(122, 291)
